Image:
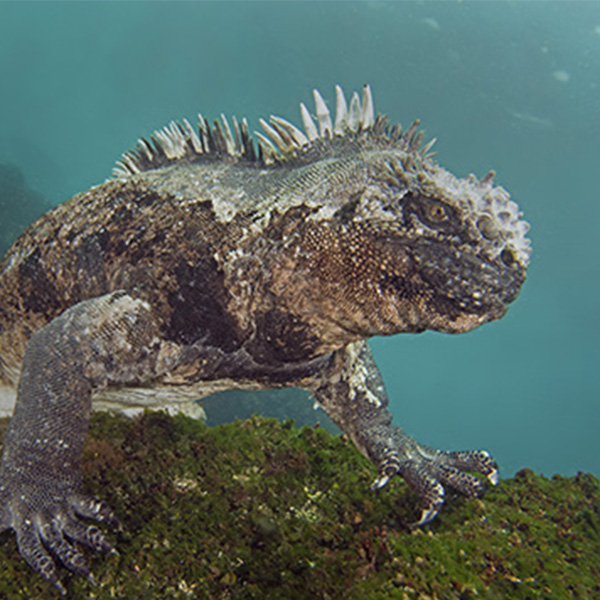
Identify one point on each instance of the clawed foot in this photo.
(427, 471)
(48, 529)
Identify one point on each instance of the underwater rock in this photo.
(19, 205)
(262, 509)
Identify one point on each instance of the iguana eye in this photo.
(436, 213)
(432, 213)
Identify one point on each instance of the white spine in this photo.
(309, 124)
(325, 127)
(341, 111)
(367, 109)
(354, 113)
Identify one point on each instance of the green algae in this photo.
(262, 509)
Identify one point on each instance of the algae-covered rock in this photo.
(261, 509)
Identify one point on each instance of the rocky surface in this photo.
(262, 509)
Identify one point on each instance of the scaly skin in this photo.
(205, 267)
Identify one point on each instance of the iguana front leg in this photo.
(353, 394)
(113, 339)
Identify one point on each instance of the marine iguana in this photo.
(215, 260)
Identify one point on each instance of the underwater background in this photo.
(512, 86)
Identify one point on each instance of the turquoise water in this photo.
(512, 86)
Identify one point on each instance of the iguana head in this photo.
(393, 242)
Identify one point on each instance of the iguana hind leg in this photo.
(353, 394)
(113, 339)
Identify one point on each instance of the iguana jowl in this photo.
(207, 264)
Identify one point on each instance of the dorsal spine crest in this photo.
(279, 140)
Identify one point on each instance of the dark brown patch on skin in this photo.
(283, 338)
(198, 307)
(38, 292)
(90, 265)
(347, 212)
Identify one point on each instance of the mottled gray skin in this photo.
(217, 272)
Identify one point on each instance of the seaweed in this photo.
(263, 509)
